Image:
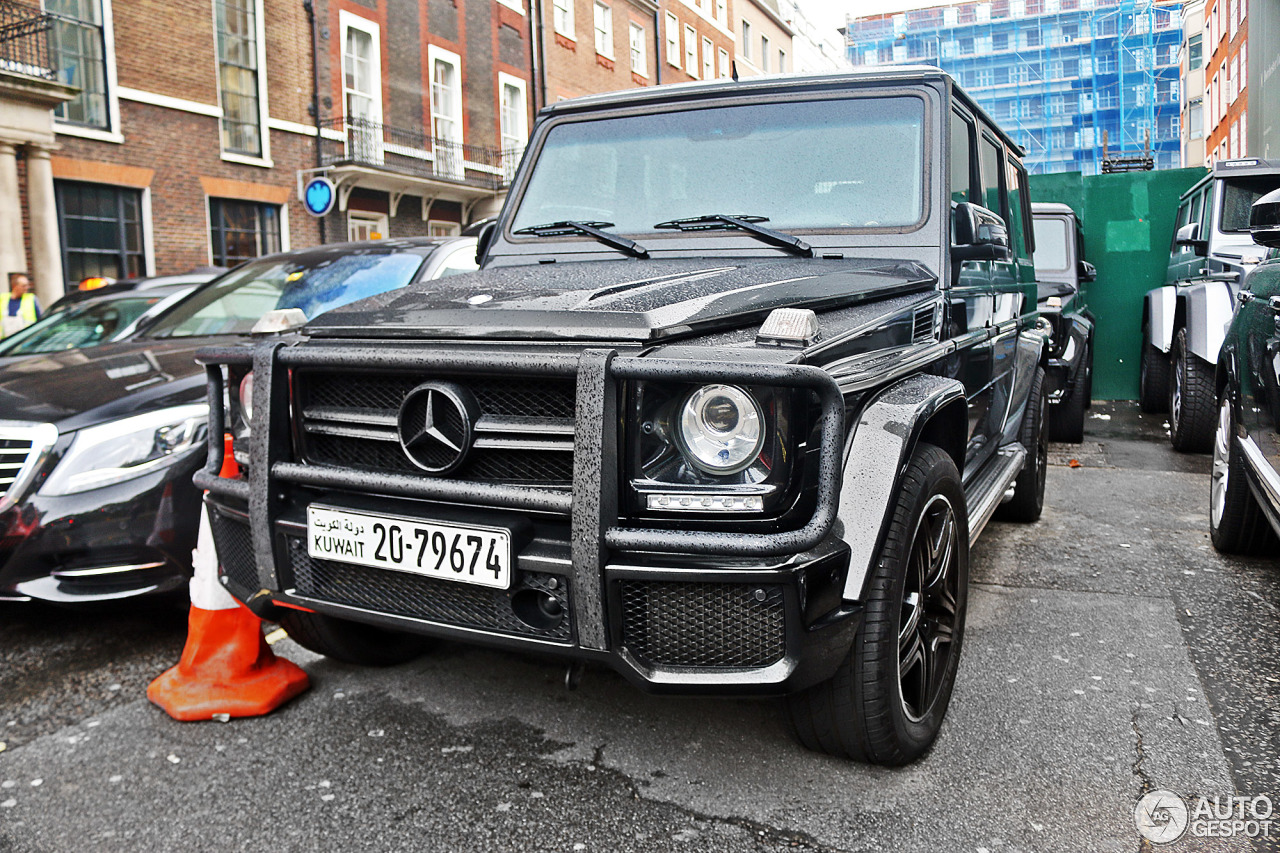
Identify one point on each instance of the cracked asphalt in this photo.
(1110, 652)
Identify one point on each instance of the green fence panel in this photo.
(1128, 227)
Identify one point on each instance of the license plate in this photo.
(450, 552)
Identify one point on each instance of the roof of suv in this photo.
(674, 92)
(1052, 207)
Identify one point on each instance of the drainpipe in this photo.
(537, 55)
(310, 9)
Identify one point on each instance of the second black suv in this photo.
(747, 368)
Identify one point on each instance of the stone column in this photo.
(46, 251)
(12, 257)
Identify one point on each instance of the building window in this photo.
(78, 44)
(724, 63)
(1195, 51)
(673, 40)
(1195, 119)
(708, 60)
(514, 117)
(639, 63)
(442, 228)
(240, 231)
(237, 32)
(362, 88)
(446, 112)
(604, 30)
(782, 61)
(764, 54)
(721, 13)
(690, 51)
(362, 225)
(101, 229)
(746, 41)
(562, 18)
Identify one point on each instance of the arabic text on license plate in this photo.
(476, 555)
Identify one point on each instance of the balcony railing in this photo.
(412, 152)
(24, 41)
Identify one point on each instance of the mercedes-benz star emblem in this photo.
(435, 425)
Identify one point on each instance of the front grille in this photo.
(13, 456)
(523, 435)
(235, 550)
(418, 597)
(727, 625)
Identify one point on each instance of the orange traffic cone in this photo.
(227, 666)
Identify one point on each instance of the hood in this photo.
(79, 388)
(621, 301)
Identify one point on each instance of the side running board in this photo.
(985, 492)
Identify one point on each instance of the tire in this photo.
(1192, 401)
(1236, 521)
(1028, 492)
(1066, 421)
(1153, 382)
(886, 702)
(351, 642)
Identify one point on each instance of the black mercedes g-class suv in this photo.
(746, 369)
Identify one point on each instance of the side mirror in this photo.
(483, 239)
(1189, 235)
(980, 235)
(1086, 271)
(1264, 220)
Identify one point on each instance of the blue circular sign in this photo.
(319, 195)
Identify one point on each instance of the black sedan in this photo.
(97, 446)
(1244, 506)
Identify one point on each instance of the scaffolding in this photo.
(1055, 74)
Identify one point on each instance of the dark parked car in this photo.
(746, 369)
(1183, 322)
(1244, 506)
(102, 320)
(1063, 273)
(97, 446)
(155, 282)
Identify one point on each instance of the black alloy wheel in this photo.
(928, 621)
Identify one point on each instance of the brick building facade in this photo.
(192, 127)
(1226, 75)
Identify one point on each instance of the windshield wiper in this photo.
(591, 229)
(747, 223)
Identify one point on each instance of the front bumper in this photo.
(673, 610)
(122, 541)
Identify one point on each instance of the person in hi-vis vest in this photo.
(19, 307)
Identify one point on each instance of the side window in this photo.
(961, 158)
(1017, 222)
(1184, 210)
(1206, 212)
(991, 197)
(1196, 203)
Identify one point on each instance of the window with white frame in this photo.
(361, 87)
(238, 75)
(673, 40)
(518, 5)
(724, 63)
(746, 40)
(764, 54)
(721, 13)
(604, 30)
(1244, 136)
(443, 228)
(446, 111)
(562, 18)
(364, 225)
(708, 60)
(78, 41)
(690, 51)
(639, 63)
(514, 118)
(782, 61)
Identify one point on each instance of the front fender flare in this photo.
(1208, 307)
(888, 430)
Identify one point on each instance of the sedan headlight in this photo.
(130, 447)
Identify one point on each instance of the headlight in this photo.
(246, 397)
(720, 428)
(131, 447)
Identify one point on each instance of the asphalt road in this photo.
(1110, 651)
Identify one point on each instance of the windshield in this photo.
(80, 327)
(749, 160)
(233, 304)
(1238, 196)
(1051, 253)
